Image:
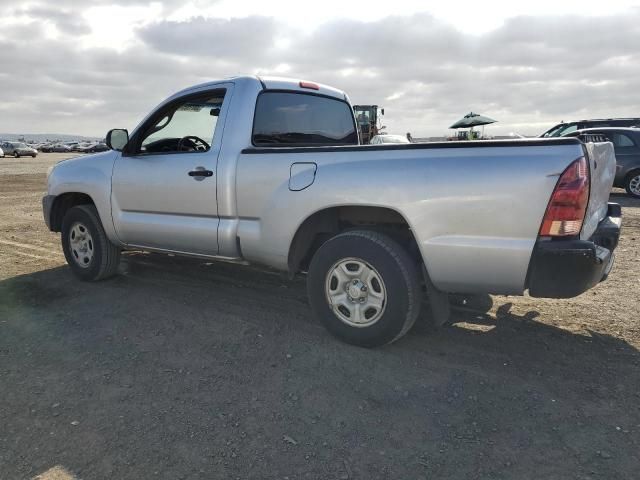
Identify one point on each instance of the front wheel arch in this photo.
(63, 203)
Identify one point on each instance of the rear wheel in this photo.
(632, 184)
(16, 154)
(86, 247)
(365, 288)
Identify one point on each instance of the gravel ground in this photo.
(180, 368)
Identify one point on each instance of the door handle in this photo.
(200, 173)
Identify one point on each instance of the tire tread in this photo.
(110, 258)
(408, 269)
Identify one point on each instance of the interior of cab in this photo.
(182, 127)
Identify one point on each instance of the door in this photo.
(164, 182)
(627, 151)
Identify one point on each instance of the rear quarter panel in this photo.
(475, 212)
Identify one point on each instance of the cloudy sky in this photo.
(84, 66)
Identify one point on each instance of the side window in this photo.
(567, 129)
(620, 140)
(187, 125)
(301, 119)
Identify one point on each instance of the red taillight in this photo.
(312, 86)
(568, 203)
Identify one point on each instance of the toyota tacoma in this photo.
(270, 171)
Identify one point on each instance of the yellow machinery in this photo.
(369, 121)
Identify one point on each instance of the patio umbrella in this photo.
(471, 120)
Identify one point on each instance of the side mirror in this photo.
(214, 112)
(382, 111)
(117, 139)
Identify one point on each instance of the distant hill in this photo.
(46, 137)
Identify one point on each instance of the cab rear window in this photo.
(302, 120)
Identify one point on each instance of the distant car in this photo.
(18, 149)
(380, 139)
(99, 147)
(565, 128)
(92, 148)
(80, 147)
(58, 148)
(1, 153)
(626, 144)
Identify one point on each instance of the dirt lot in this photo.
(184, 369)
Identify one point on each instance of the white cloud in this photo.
(85, 66)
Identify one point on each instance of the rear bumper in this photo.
(567, 268)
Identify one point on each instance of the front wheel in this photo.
(365, 288)
(16, 155)
(86, 247)
(632, 184)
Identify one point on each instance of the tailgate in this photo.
(602, 164)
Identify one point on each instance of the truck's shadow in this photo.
(241, 341)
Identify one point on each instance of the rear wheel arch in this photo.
(63, 203)
(329, 222)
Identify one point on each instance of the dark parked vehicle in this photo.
(626, 143)
(563, 129)
(92, 148)
(18, 149)
(99, 147)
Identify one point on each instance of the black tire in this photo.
(400, 277)
(16, 155)
(106, 255)
(627, 183)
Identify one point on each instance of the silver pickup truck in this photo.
(270, 171)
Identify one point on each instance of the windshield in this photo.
(193, 119)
